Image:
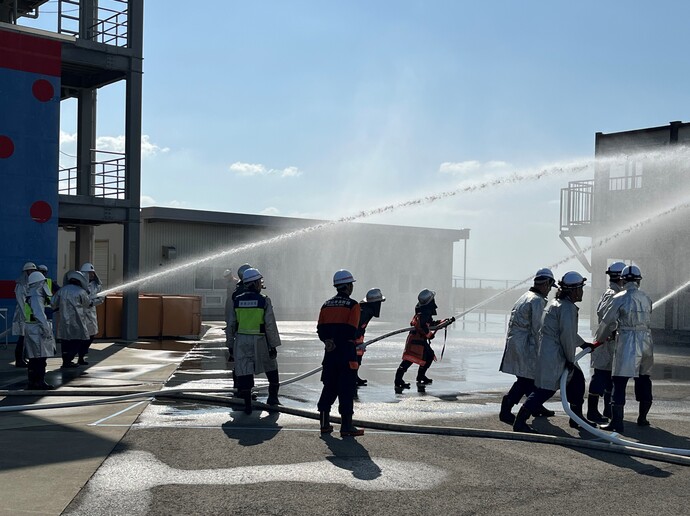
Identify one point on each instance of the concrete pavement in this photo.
(190, 457)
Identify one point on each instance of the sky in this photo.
(322, 109)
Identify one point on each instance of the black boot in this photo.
(81, 361)
(325, 419)
(644, 410)
(424, 380)
(607, 404)
(361, 382)
(593, 409)
(41, 383)
(247, 397)
(616, 424)
(506, 416)
(273, 394)
(520, 424)
(399, 382)
(578, 412)
(543, 412)
(347, 429)
(67, 361)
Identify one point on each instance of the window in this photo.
(203, 278)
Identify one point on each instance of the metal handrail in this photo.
(107, 177)
(110, 27)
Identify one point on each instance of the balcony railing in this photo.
(109, 27)
(625, 183)
(576, 204)
(107, 177)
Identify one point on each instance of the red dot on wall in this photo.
(43, 90)
(6, 147)
(41, 211)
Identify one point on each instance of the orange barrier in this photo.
(159, 316)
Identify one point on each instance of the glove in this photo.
(273, 352)
(431, 337)
(329, 345)
(569, 366)
(587, 346)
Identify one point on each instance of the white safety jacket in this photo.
(39, 341)
(72, 303)
(20, 291)
(602, 357)
(522, 339)
(558, 342)
(95, 286)
(631, 310)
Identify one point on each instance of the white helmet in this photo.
(631, 273)
(544, 275)
(373, 296)
(615, 269)
(343, 277)
(79, 277)
(242, 269)
(87, 267)
(250, 275)
(571, 280)
(42, 268)
(35, 277)
(29, 266)
(426, 296)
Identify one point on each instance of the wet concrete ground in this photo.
(191, 457)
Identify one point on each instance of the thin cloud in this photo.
(257, 169)
(111, 143)
(147, 200)
(271, 210)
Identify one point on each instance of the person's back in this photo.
(72, 302)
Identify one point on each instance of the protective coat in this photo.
(95, 286)
(72, 304)
(522, 340)
(558, 342)
(631, 310)
(20, 291)
(38, 332)
(602, 357)
(251, 349)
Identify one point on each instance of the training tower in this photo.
(51, 52)
(638, 174)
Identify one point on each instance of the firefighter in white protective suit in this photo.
(630, 313)
(20, 291)
(39, 343)
(558, 343)
(72, 304)
(522, 344)
(602, 357)
(95, 286)
(252, 335)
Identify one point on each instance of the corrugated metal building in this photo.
(297, 260)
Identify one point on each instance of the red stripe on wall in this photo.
(30, 54)
(7, 289)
